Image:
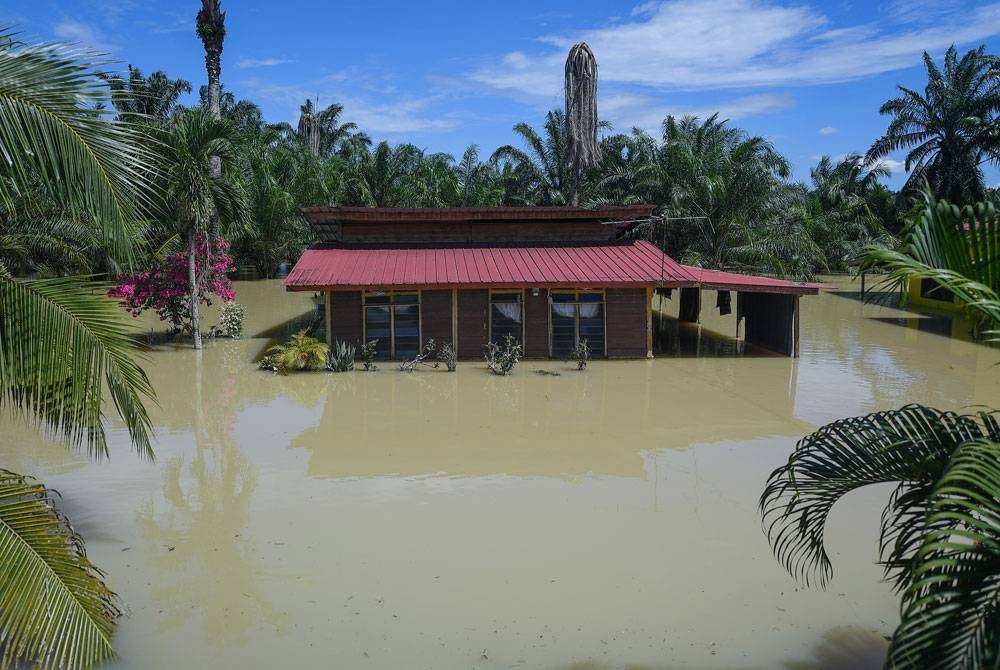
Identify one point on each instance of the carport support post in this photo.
(328, 319)
(649, 323)
(795, 328)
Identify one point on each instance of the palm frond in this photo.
(55, 610)
(61, 342)
(910, 446)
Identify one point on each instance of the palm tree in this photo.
(542, 174)
(949, 129)
(194, 196)
(957, 248)
(210, 24)
(940, 537)
(138, 98)
(478, 183)
(63, 344)
(323, 133)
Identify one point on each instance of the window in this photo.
(931, 289)
(394, 320)
(577, 315)
(506, 315)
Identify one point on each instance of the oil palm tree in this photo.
(940, 536)
(63, 345)
(138, 98)
(541, 173)
(210, 25)
(958, 248)
(194, 196)
(323, 133)
(949, 129)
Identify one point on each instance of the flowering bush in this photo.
(165, 288)
(231, 319)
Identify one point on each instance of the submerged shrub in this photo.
(419, 359)
(448, 356)
(368, 355)
(581, 354)
(342, 357)
(501, 358)
(300, 352)
(231, 319)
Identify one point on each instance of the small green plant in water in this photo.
(368, 355)
(300, 352)
(501, 358)
(581, 354)
(448, 356)
(342, 357)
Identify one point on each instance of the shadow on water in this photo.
(673, 338)
(845, 648)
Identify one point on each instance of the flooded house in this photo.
(548, 276)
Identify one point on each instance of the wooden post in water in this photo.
(795, 328)
(649, 322)
(454, 320)
(328, 317)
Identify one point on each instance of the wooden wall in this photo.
(435, 316)
(345, 317)
(473, 321)
(626, 313)
(477, 233)
(536, 324)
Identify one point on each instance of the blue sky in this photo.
(808, 75)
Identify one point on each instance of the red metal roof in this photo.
(464, 214)
(634, 264)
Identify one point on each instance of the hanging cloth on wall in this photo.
(723, 301)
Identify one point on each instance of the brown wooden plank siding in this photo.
(345, 313)
(477, 233)
(625, 321)
(536, 324)
(435, 316)
(472, 322)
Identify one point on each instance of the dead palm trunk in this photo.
(211, 28)
(583, 152)
(308, 128)
(193, 288)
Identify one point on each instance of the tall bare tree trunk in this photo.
(211, 28)
(193, 287)
(582, 148)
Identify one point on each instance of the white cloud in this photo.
(895, 167)
(385, 116)
(627, 110)
(245, 63)
(85, 35)
(828, 130)
(713, 44)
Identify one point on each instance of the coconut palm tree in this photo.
(63, 345)
(940, 537)
(949, 129)
(194, 196)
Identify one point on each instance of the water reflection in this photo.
(846, 648)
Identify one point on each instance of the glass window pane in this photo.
(505, 319)
(406, 299)
(506, 297)
(590, 297)
(563, 297)
(592, 327)
(563, 330)
(377, 328)
(376, 299)
(407, 323)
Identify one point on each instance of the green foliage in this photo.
(231, 318)
(44, 561)
(342, 357)
(939, 539)
(300, 353)
(501, 358)
(949, 129)
(959, 248)
(368, 353)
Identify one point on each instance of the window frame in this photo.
(391, 294)
(489, 311)
(576, 318)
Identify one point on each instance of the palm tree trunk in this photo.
(211, 28)
(193, 288)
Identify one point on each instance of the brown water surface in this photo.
(604, 519)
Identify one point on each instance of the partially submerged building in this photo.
(548, 276)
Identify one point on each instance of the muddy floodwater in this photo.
(603, 519)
